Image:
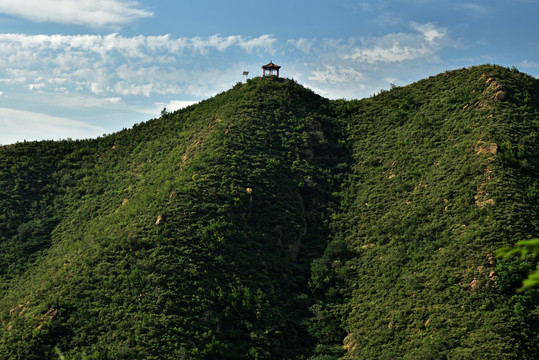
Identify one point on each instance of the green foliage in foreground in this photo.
(271, 223)
(524, 248)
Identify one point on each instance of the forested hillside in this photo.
(271, 223)
(444, 172)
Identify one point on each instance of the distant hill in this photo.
(271, 223)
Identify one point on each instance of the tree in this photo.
(524, 248)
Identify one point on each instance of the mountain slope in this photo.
(271, 223)
(444, 172)
(190, 235)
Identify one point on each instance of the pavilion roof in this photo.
(271, 65)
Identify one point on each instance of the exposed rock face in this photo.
(482, 199)
(485, 147)
(498, 89)
(500, 95)
(495, 92)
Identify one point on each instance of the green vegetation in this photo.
(445, 172)
(524, 248)
(271, 223)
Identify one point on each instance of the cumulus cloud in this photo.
(396, 52)
(112, 65)
(94, 13)
(17, 125)
(529, 64)
(116, 67)
(142, 74)
(82, 102)
(398, 47)
(171, 106)
(264, 43)
(335, 74)
(358, 67)
(174, 105)
(303, 44)
(430, 31)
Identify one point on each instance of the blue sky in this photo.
(79, 69)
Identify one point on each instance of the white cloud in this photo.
(335, 74)
(94, 13)
(473, 9)
(429, 31)
(113, 65)
(396, 52)
(173, 105)
(529, 64)
(398, 47)
(113, 74)
(373, 6)
(365, 6)
(179, 104)
(117, 67)
(303, 44)
(17, 125)
(81, 102)
(250, 45)
(34, 87)
(265, 43)
(215, 41)
(359, 67)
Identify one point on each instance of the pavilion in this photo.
(270, 69)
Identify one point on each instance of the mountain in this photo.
(270, 223)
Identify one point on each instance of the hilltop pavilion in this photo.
(270, 69)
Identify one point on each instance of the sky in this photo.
(82, 69)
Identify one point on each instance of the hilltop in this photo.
(269, 222)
